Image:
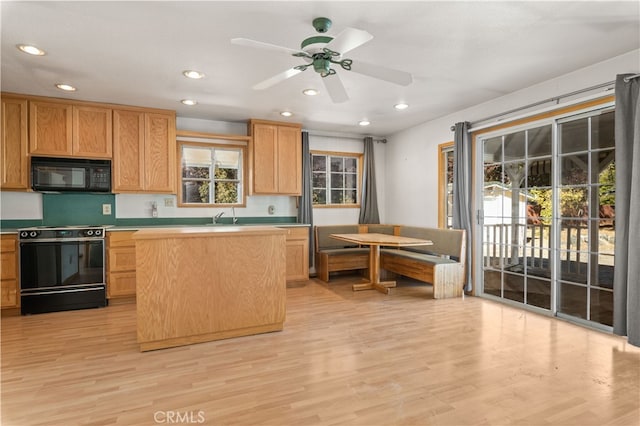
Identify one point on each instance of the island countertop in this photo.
(197, 284)
(199, 231)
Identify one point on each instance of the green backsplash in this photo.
(77, 209)
(86, 209)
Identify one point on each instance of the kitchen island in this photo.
(198, 284)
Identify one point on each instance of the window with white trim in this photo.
(336, 178)
(211, 175)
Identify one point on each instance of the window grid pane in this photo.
(211, 175)
(335, 179)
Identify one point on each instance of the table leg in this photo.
(374, 274)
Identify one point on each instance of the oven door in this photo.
(58, 265)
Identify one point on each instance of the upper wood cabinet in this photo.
(13, 144)
(144, 151)
(64, 129)
(275, 156)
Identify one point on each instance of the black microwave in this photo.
(70, 174)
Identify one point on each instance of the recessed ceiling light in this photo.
(310, 92)
(66, 87)
(364, 123)
(286, 113)
(193, 74)
(401, 106)
(31, 50)
(189, 102)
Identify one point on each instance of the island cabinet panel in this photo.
(121, 265)
(68, 130)
(201, 284)
(9, 297)
(144, 151)
(14, 144)
(275, 154)
(298, 254)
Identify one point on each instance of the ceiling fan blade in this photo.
(387, 74)
(272, 81)
(348, 39)
(261, 45)
(335, 88)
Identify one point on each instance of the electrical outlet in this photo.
(168, 202)
(271, 209)
(106, 209)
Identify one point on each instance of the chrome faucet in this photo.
(217, 217)
(233, 213)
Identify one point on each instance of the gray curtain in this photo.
(305, 207)
(462, 173)
(369, 202)
(626, 278)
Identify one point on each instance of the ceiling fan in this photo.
(324, 54)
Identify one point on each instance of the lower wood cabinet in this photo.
(121, 265)
(298, 254)
(9, 286)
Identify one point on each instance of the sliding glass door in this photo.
(517, 216)
(586, 198)
(547, 216)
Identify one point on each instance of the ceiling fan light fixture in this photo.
(66, 87)
(311, 41)
(189, 102)
(364, 123)
(310, 92)
(401, 106)
(31, 50)
(193, 74)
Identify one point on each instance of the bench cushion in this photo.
(445, 241)
(346, 251)
(380, 229)
(325, 242)
(421, 257)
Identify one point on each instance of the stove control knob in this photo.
(89, 233)
(24, 234)
(97, 232)
(33, 234)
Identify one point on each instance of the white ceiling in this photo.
(459, 53)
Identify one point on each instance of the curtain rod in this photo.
(343, 136)
(554, 99)
(631, 77)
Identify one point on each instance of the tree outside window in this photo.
(211, 175)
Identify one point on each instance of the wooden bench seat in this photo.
(441, 264)
(334, 255)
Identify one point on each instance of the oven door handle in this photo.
(74, 290)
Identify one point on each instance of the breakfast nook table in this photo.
(375, 241)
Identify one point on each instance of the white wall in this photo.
(412, 155)
(20, 205)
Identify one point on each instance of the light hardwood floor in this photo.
(343, 358)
